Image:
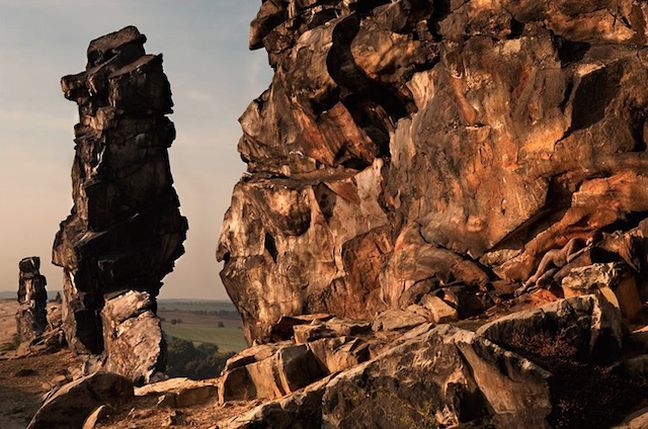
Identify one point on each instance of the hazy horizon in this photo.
(213, 76)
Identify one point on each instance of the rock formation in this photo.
(125, 230)
(405, 146)
(465, 181)
(31, 316)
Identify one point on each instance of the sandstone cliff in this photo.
(405, 147)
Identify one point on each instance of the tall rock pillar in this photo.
(125, 230)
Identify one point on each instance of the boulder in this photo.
(437, 376)
(181, 392)
(73, 403)
(441, 311)
(285, 326)
(446, 376)
(333, 327)
(306, 333)
(588, 324)
(346, 327)
(394, 320)
(288, 369)
(339, 354)
(253, 354)
(132, 336)
(608, 280)
(298, 410)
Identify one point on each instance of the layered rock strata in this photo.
(404, 146)
(125, 230)
(31, 316)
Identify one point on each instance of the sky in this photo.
(213, 77)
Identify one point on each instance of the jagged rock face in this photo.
(415, 142)
(125, 230)
(31, 316)
(132, 336)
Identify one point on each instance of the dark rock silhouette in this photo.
(31, 316)
(125, 230)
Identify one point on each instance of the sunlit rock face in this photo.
(125, 230)
(411, 144)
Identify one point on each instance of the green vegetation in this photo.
(227, 339)
(185, 359)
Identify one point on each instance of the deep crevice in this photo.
(374, 106)
(570, 52)
(270, 246)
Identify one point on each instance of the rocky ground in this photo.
(25, 380)
(530, 362)
(443, 223)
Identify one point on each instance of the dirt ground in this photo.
(24, 381)
(7, 321)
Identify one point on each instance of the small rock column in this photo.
(31, 317)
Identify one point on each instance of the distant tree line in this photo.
(186, 359)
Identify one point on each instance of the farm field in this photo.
(227, 339)
(196, 320)
(209, 322)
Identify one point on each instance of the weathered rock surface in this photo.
(589, 324)
(418, 163)
(609, 281)
(314, 351)
(125, 230)
(31, 316)
(132, 336)
(181, 392)
(71, 405)
(443, 376)
(406, 145)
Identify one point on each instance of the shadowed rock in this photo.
(31, 316)
(69, 406)
(125, 230)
